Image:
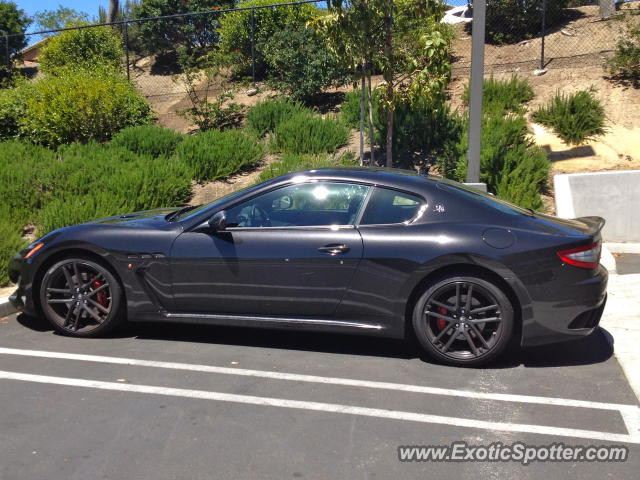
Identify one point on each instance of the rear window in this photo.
(390, 206)
(485, 198)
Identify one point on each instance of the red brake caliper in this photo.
(101, 296)
(440, 322)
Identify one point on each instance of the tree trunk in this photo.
(388, 76)
(362, 88)
(372, 140)
(114, 7)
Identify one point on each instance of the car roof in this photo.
(390, 177)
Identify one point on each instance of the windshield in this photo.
(487, 199)
(212, 205)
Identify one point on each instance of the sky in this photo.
(90, 7)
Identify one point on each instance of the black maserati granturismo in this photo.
(355, 250)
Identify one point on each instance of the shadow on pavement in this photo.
(593, 349)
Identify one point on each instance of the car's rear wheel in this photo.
(81, 297)
(463, 320)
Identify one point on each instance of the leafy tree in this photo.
(235, 27)
(60, 18)
(12, 21)
(190, 33)
(299, 63)
(114, 8)
(125, 11)
(85, 47)
(402, 38)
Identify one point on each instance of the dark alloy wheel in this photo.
(463, 320)
(81, 298)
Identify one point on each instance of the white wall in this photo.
(615, 196)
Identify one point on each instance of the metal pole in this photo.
(126, 48)
(253, 49)
(544, 27)
(475, 103)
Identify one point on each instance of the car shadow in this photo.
(596, 348)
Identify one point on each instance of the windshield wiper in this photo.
(173, 215)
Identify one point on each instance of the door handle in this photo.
(334, 249)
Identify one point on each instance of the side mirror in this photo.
(218, 222)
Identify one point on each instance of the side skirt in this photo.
(259, 321)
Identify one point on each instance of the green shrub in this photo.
(625, 64)
(25, 175)
(308, 133)
(80, 105)
(83, 48)
(266, 116)
(510, 164)
(215, 154)
(92, 181)
(300, 64)
(150, 140)
(11, 241)
(350, 109)
(294, 162)
(501, 96)
(12, 109)
(235, 27)
(510, 21)
(423, 129)
(528, 177)
(78, 183)
(575, 118)
(192, 34)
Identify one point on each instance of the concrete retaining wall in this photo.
(615, 196)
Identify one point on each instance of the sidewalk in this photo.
(621, 316)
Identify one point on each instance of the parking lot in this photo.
(176, 401)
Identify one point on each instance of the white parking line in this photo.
(324, 407)
(502, 397)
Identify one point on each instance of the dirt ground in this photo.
(583, 33)
(619, 148)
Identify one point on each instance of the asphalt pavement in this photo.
(167, 401)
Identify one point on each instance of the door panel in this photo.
(265, 271)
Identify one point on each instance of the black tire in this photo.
(80, 297)
(450, 334)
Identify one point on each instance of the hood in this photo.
(145, 218)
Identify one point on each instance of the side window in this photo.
(305, 204)
(389, 206)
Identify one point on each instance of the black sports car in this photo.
(357, 250)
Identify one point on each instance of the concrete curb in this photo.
(6, 308)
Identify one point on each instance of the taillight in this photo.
(584, 257)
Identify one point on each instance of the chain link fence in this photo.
(544, 37)
(574, 36)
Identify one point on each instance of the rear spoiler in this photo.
(594, 224)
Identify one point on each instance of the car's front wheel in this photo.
(463, 320)
(81, 297)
